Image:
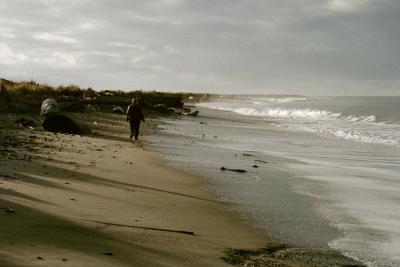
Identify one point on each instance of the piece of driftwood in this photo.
(232, 170)
(142, 227)
(262, 161)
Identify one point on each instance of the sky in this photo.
(313, 47)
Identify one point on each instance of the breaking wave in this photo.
(278, 99)
(359, 128)
(312, 114)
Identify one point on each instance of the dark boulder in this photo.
(58, 123)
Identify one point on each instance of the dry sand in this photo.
(66, 191)
(103, 200)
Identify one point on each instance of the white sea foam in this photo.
(273, 112)
(280, 99)
(287, 113)
(361, 128)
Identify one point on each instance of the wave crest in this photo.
(278, 99)
(364, 129)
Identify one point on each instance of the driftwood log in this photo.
(233, 170)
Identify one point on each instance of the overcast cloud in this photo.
(322, 47)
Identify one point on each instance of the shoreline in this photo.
(190, 146)
(98, 200)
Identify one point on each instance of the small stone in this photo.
(108, 253)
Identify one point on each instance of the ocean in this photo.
(363, 119)
(321, 172)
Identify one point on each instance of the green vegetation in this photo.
(26, 97)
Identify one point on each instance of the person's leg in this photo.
(136, 126)
(132, 127)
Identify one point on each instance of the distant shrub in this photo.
(27, 96)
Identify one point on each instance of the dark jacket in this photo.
(134, 113)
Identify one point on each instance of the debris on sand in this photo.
(262, 161)
(192, 114)
(26, 123)
(232, 170)
(118, 110)
(108, 253)
(8, 210)
(282, 255)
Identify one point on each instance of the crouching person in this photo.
(134, 115)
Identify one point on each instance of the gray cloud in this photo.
(280, 46)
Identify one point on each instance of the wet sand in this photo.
(103, 200)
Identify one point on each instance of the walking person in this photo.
(134, 115)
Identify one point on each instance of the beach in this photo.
(315, 172)
(103, 200)
(269, 133)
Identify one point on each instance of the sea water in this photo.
(328, 168)
(363, 119)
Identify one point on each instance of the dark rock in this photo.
(108, 253)
(58, 123)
